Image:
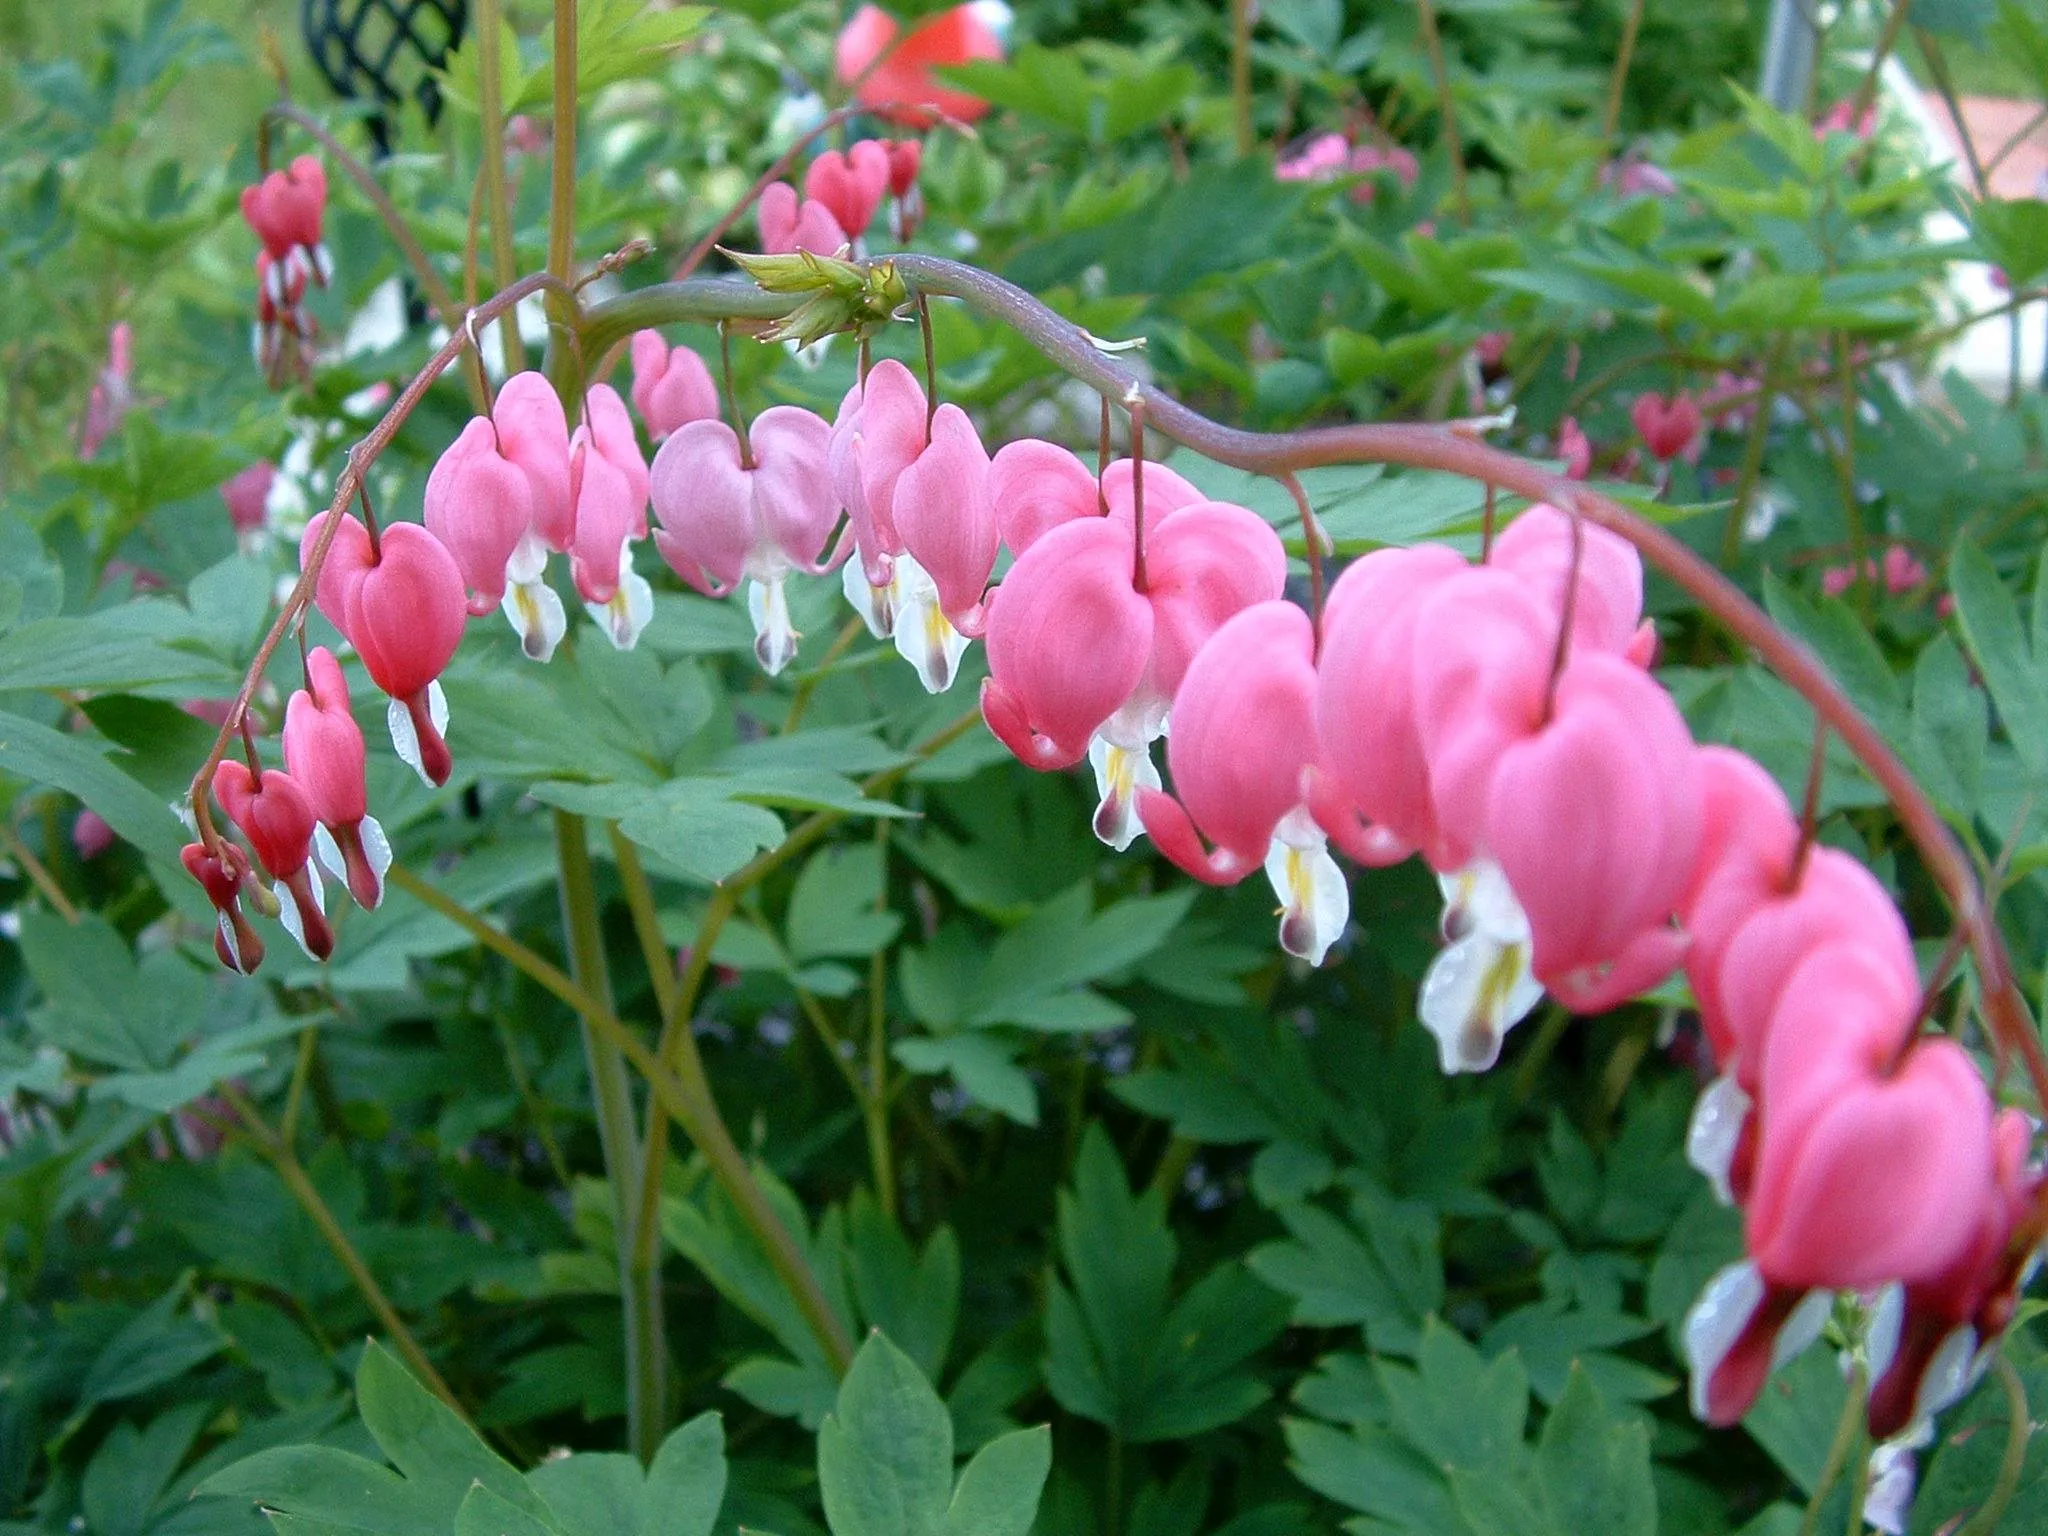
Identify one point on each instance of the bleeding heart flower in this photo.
(480, 505)
(324, 754)
(1671, 428)
(725, 519)
(1945, 1329)
(942, 512)
(247, 498)
(608, 483)
(881, 428)
(1607, 602)
(348, 556)
(405, 616)
(850, 186)
(1741, 1329)
(671, 386)
(789, 225)
(906, 157)
(1034, 486)
(1480, 985)
(892, 76)
(1574, 448)
(220, 876)
(533, 433)
(276, 817)
(1863, 1150)
(1243, 740)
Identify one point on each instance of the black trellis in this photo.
(383, 51)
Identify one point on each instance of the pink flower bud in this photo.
(221, 876)
(405, 618)
(942, 513)
(1574, 449)
(789, 225)
(609, 482)
(247, 497)
(90, 835)
(1670, 428)
(324, 753)
(276, 817)
(670, 387)
(906, 157)
(533, 433)
(480, 506)
(850, 186)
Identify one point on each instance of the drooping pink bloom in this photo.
(851, 185)
(1574, 448)
(324, 754)
(112, 393)
(892, 76)
(90, 835)
(1243, 743)
(1492, 348)
(221, 876)
(1948, 1326)
(906, 212)
(286, 209)
(480, 505)
(278, 820)
(1370, 159)
(1034, 486)
(533, 433)
(1604, 578)
(725, 519)
(608, 482)
(1320, 159)
(348, 556)
(1843, 117)
(405, 616)
(1591, 811)
(1634, 176)
(942, 511)
(671, 386)
(1366, 711)
(284, 327)
(788, 224)
(1204, 562)
(1899, 569)
(1863, 1150)
(1671, 428)
(246, 495)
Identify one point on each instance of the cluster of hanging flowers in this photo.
(287, 210)
(1495, 718)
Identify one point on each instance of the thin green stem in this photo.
(1617, 82)
(489, 22)
(698, 1116)
(1446, 105)
(1752, 460)
(562, 183)
(661, 969)
(807, 684)
(536, 1106)
(295, 1094)
(2019, 1430)
(1241, 75)
(612, 1095)
(1848, 1429)
(281, 1157)
(880, 1156)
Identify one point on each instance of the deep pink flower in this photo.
(1843, 117)
(247, 497)
(1320, 159)
(480, 505)
(942, 512)
(1243, 742)
(788, 224)
(275, 815)
(671, 386)
(850, 186)
(1863, 1153)
(1671, 428)
(1900, 570)
(221, 876)
(724, 520)
(405, 616)
(892, 73)
(906, 157)
(1035, 486)
(1637, 177)
(324, 754)
(348, 556)
(286, 209)
(533, 433)
(90, 835)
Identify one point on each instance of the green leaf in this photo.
(331, 1488)
(75, 766)
(912, 1297)
(2016, 678)
(487, 1513)
(1595, 1467)
(885, 1456)
(440, 1456)
(982, 1064)
(833, 906)
(157, 1345)
(691, 824)
(1381, 1269)
(998, 1493)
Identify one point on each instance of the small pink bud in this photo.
(275, 815)
(670, 387)
(405, 618)
(324, 753)
(788, 224)
(90, 835)
(1670, 428)
(221, 876)
(247, 497)
(850, 186)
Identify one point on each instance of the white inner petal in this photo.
(1882, 1327)
(924, 636)
(1951, 1373)
(1474, 992)
(529, 559)
(1478, 899)
(328, 852)
(775, 637)
(405, 740)
(1716, 1321)
(376, 849)
(537, 616)
(1890, 1499)
(1716, 1128)
(630, 607)
(288, 907)
(875, 605)
(1802, 1327)
(229, 941)
(1315, 903)
(1120, 772)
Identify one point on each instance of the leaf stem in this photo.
(2019, 1431)
(1610, 119)
(1446, 105)
(612, 1095)
(489, 27)
(562, 187)
(281, 1157)
(1848, 1429)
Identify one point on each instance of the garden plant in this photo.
(1287, 771)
